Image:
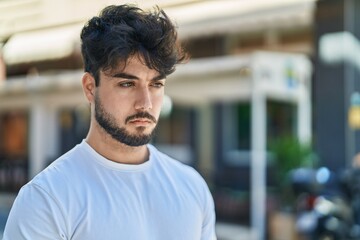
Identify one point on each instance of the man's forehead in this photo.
(134, 62)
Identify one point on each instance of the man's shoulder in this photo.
(168, 160)
(177, 168)
(58, 172)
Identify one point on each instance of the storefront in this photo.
(218, 116)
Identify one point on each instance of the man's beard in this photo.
(120, 134)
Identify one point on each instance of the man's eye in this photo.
(126, 84)
(158, 84)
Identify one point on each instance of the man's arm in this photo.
(208, 227)
(35, 214)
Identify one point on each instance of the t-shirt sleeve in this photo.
(35, 214)
(208, 226)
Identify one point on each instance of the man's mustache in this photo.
(141, 115)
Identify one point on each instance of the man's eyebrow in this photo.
(124, 75)
(132, 77)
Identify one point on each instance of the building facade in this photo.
(206, 120)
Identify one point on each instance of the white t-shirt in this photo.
(83, 195)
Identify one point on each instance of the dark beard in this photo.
(120, 134)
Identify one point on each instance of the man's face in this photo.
(128, 102)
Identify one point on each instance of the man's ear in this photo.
(88, 85)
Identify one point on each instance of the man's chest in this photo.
(139, 212)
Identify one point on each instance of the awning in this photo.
(203, 18)
(42, 45)
(278, 76)
(211, 79)
(195, 19)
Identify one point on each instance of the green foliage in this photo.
(290, 153)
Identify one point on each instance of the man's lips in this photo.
(140, 120)
(141, 117)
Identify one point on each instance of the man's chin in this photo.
(140, 131)
(136, 140)
(136, 137)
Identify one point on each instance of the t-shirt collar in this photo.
(119, 166)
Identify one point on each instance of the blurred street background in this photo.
(267, 109)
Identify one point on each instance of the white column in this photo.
(258, 163)
(304, 116)
(38, 131)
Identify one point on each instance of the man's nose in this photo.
(143, 101)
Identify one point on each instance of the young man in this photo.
(114, 185)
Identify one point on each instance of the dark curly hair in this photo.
(120, 32)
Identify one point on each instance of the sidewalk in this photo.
(230, 231)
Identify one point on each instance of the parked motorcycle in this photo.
(324, 210)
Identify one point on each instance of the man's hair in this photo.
(120, 32)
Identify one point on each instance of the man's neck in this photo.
(115, 151)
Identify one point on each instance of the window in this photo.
(175, 134)
(13, 150)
